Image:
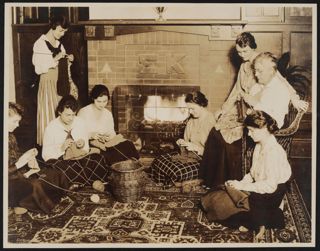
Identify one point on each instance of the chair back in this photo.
(284, 135)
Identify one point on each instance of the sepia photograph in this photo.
(159, 125)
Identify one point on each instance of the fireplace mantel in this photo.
(222, 31)
(165, 22)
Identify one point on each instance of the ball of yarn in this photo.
(95, 198)
(80, 143)
(98, 185)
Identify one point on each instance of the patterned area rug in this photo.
(159, 216)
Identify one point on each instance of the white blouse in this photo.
(270, 167)
(275, 98)
(55, 135)
(197, 130)
(103, 124)
(42, 57)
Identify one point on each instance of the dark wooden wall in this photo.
(26, 80)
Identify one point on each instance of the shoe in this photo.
(74, 187)
(243, 229)
(281, 205)
(20, 210)
(190, 185)
(260, 234)
(205, 187)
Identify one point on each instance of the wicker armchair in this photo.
(299, 79)
(284, 137)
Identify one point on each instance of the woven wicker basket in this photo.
(127, 180)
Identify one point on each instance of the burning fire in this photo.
(159, 108)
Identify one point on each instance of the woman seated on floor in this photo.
(32, 189)
(170, 169)
(66, 148)
(100, 124)
(266, 181)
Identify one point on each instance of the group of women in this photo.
(265, 96)
(212, 141)
(69, 159)
(78, 147)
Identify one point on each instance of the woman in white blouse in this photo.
(47, 51)
(60, 136)
(100, 124)
(169, 169)
(267, 178)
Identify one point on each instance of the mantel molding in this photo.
(214, 32)
(165, 22)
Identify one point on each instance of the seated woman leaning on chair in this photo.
(66, 147)
(99, 121)
(33, 189)
(266, 181)
(170, 169)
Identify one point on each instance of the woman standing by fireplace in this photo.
(170, 169)
(222, 154)
(100, 124)
(48, 53)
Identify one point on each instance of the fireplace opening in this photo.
(167, 108)
(155, 116)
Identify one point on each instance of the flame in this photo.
(165, 109)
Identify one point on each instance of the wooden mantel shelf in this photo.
(164, 22)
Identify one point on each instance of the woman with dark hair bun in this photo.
(222, 155)
(47, 54)
(266, 181)
(66, 146)
(170, 169)
(26, 190)
(100, 124)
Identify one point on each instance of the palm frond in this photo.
(296, 69)
(283, 63)
(297, 75)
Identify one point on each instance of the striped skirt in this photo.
(47, 101)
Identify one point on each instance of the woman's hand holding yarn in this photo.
(80, 143)
(67, 144)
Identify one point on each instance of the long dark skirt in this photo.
(220, 161)
(123, 151)
(83, 171)
(38, 193)
(264, 211)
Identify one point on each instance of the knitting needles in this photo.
(50, 54)
(199, 157)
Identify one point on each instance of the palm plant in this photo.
(298, 76)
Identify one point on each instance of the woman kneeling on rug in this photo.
(173, 168)
(65, 146)
(100, 124)
(34, 189)
(265, 183)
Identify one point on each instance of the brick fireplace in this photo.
(154, 115)
(162, 65)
